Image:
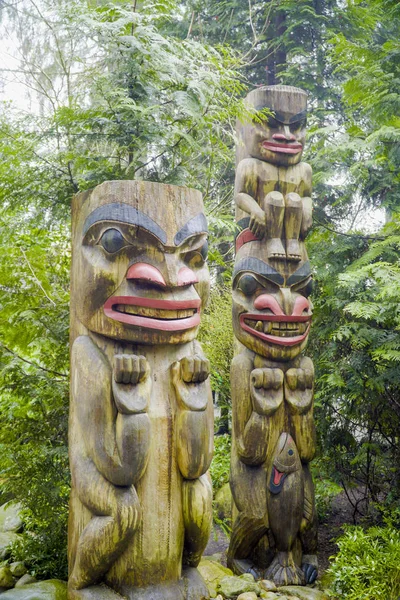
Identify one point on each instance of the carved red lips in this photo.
(276, 327)
(152, 313)
(284, 148)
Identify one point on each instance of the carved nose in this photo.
(186, 276)
(146, 272)
(286, 136)
(289, 305)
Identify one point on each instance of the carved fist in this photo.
(194, 369)
(131, 383)
(129, 368)
(266, 388)
(299, 389)
(191, 370)
(257, 223)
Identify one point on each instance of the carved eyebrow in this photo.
(278, 116)
(258, 267)
(124, 213)
(302, 273)
(196, 225)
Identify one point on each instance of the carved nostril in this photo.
(145, 272)
(186, 276)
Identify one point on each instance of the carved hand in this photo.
(131, 383)
(266, 390)
(188, 376)
(258, 223)
(299, 389)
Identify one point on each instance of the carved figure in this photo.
(141, 418)
(274, 530)
(272, 186)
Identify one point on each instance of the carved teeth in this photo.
(280, 328)
(154, 313)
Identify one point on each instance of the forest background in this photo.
(152, 90)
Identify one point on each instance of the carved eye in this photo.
(305, 288)
(196, 258)
(290, 452)
(299, 125)
(248, 285)
(112, 240)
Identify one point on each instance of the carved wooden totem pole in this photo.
(141, 419)
(274, 532)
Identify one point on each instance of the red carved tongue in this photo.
(277, 476)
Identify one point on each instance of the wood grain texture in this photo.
(141, 414)
(274, 525)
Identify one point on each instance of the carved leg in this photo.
(246, 533)
(197, 517)
(274, 208)
(116, 514)
(293, 218)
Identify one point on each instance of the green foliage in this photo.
(367, 564)
(216, 336)
(220, 465)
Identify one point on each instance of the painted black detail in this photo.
(278, 116)
(248, 284)
(259, 267)
(112, 240)
(196, 225)
(273, 488)
(302, 273)
(124, 213)
(310, 572)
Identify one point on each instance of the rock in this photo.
(247, 577)
(304, 593)
(10, 519)
(267, 585)
(231, 587)
(6, 578)
(219, 597)
(6, 538)
(269, 595)
(217, 557)
(25, 580)
(223, 503)
(212, 572)
(247, 596)
(53, 589)
(18, 569)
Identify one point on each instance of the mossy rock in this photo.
(303, 593)
(230, 587)
(212, 572)
(6, 539)
(53, 589)
(10, 519)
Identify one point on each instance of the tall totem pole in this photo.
(141, 418)
(274, 530)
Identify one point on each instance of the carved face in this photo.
(278, 139)
(141, 278)
(271, 310)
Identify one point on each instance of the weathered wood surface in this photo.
(274, 528)
(141, 415)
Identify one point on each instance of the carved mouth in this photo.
(282, 330)
(163, 315)
(284, 148)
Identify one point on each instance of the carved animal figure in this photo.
(141, 418)
(274, 521)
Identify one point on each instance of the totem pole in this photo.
(274, 529)
(141, 418)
